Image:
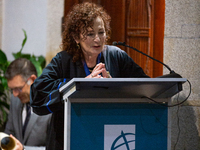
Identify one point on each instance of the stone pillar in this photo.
(55, 12)
(182, 54)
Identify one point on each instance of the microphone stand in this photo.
(172, 73)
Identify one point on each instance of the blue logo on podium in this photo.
(125, 142)
(119, 137)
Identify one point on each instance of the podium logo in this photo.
(119, 137)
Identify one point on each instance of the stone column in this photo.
(55, 12)
(182, 54)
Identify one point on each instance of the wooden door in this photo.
(139, 32)
(139, 23)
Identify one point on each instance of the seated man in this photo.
(29, 130)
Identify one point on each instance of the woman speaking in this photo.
(84, 55)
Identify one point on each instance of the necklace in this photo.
(88, 70)
(91, 69)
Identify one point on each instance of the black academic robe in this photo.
(45, 96)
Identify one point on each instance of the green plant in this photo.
(39, 63)
(4, 106)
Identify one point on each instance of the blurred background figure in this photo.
(28, 129)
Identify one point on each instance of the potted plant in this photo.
(4, 104)
(39, 63)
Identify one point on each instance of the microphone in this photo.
(6, 142)
(172, 73)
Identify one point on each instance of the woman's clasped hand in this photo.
(99, 71)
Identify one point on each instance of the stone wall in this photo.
(182, 54)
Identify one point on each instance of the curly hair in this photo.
(77, 22)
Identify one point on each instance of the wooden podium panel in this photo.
(117, 91)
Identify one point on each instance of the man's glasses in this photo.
(18, 89)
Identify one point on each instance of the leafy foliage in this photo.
(4, 106)
(39, 63)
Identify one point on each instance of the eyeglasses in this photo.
(18, 89)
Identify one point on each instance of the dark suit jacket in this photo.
(36, 130)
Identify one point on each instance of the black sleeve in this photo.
(44, 95)
(128, 67)
(121, 65)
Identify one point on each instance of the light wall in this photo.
(41, 19)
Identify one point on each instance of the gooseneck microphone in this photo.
(172, 73)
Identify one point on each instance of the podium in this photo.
(113, 113)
